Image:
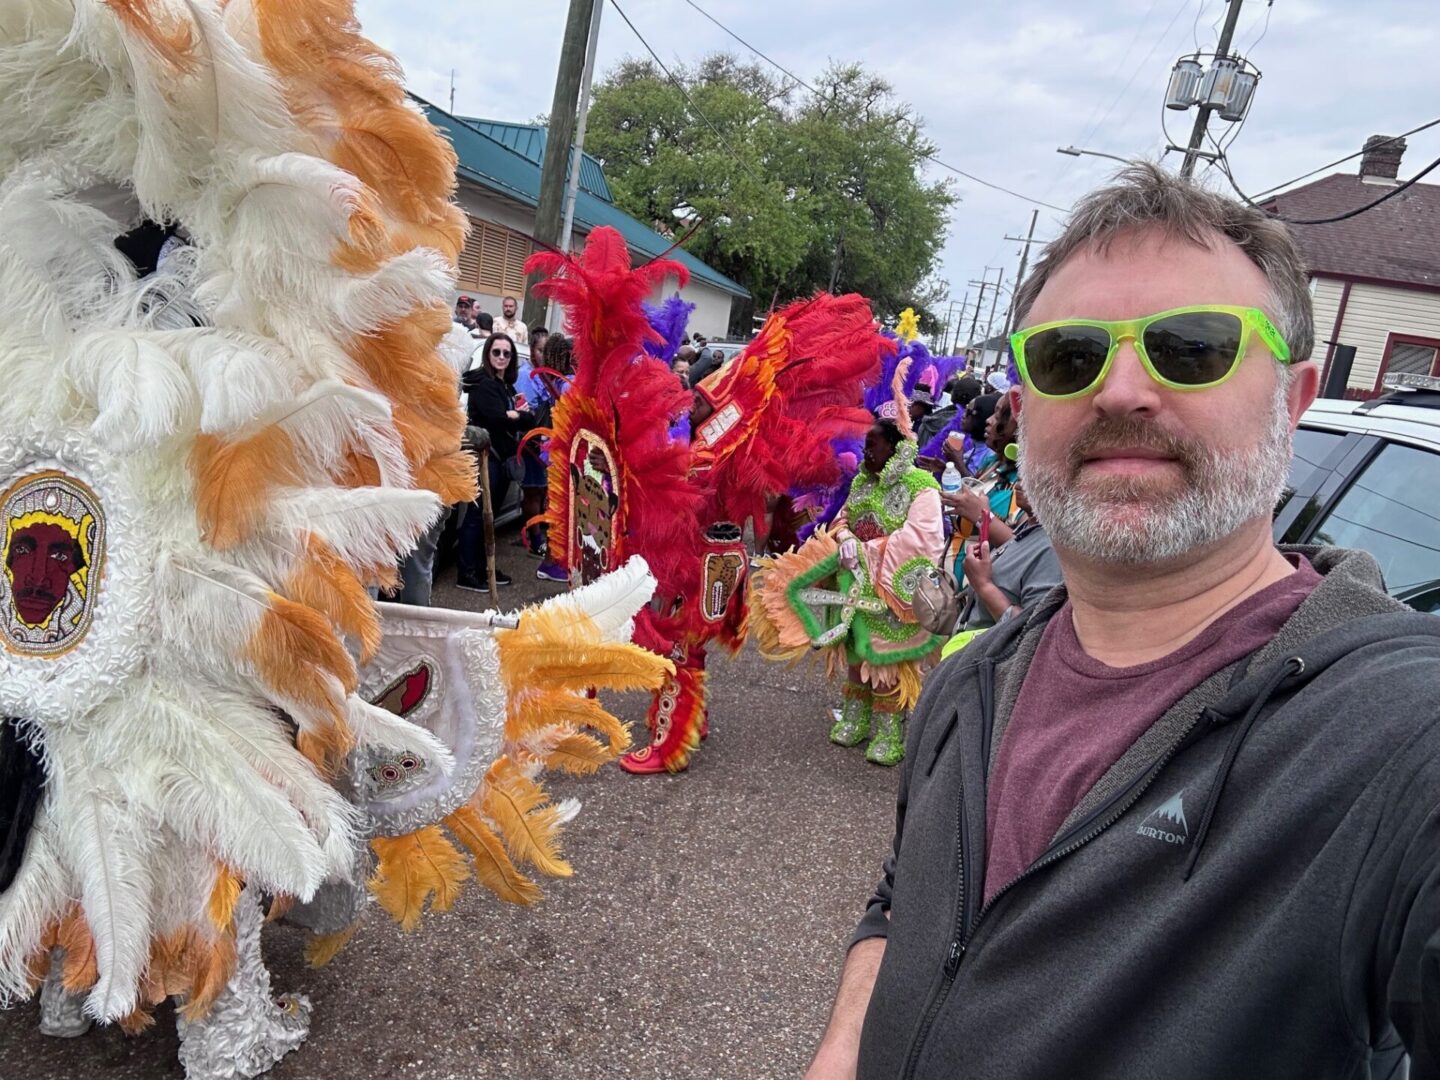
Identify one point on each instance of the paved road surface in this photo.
(700, 936)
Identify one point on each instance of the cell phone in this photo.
(985, 527)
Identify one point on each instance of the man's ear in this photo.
(1304, 386)
(1016, 398)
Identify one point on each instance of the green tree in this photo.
(786, 192)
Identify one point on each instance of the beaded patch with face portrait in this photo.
(53, 551)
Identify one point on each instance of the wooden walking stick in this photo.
(487, 516)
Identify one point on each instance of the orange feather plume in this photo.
(234, 479)
(412, 869)
(171, 39)
(224, 895)
(323, 581)
(579, 754)
(529, 828)
(492, 866)
(320, 949)
(80, 971)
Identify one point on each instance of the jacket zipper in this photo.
(1093, 826)
(962, 900)
(1088, 830)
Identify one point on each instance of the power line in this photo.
(1091, 124)
(930, 157)
(1093, 128)
(1136, 73)
(1195, 29)
(1225, 167)
(1269, 10)
(685, 94)
(1347, 157)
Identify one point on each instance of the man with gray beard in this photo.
(1180, 818)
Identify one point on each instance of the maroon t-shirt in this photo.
(1076, 716)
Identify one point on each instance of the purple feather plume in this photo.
(921, 361)
(669, 320)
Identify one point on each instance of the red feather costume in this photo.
(621, 484)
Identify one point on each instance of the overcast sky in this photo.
(1000, 85)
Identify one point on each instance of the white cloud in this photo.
(1000, 85)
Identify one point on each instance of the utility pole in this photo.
(1202, 119)
(577, 156)
(452, 91)
(984, 284)
(558, 142)
(945, 343)
(1020, 277)
(994, 302)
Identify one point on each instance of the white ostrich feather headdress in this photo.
(226, 249)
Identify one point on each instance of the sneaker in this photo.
(552, 571)
(479, 585)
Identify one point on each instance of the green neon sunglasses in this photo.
(1188, 348)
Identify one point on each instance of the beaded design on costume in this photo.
(594, 528)
(908, 576)
(856, 708)
(392, 772)
(53, 551)
(104, 502)
(878, 505)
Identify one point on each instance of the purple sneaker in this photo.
(552, 571)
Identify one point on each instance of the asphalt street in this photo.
(701, 935)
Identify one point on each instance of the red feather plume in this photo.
(630, 401)
(799, 386)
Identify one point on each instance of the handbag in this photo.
(936, 601)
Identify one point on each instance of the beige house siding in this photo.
(1325, 294)
(1373, 313)
(499, 244)
(711, 316)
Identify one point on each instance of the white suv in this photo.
(1367, 475)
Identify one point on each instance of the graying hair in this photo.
(1144, 196)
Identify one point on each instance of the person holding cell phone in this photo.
(493, 405)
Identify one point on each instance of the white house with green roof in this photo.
(499, 188)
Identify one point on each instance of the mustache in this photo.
(1115, 433)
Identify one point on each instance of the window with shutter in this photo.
(517, 250)
(494, 259)
(468, 275)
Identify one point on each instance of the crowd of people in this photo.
(998, 555)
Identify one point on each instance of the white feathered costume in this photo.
(212, 442)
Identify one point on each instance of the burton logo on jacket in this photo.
(1167, 821)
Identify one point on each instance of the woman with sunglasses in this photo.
(493, 405)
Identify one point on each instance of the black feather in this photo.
(22, 780)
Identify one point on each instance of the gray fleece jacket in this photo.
(1253, 890)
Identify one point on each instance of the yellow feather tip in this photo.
(320, 949)
(412, 869)
(529, 827)
(224, 895)
(493, 867)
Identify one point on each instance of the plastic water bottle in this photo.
(950, 480)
